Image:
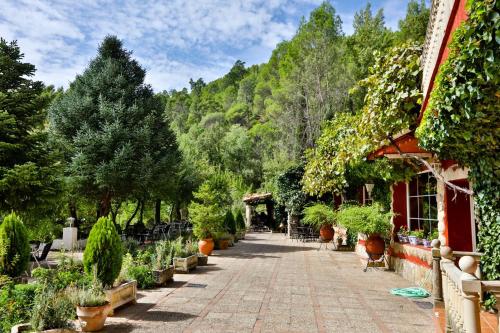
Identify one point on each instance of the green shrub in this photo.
(240, 221)
(14, 246)
(16, 302)
(179, 249)
(60, 279)
(52, 309)
(318, 215)
(131, 246)
(162, 257)
(143, 275)
(365, 219)
(230, 223)
(105, 251)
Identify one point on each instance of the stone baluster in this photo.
(448, 290)
(471, 288)
(437, 283)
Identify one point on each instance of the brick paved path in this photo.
(269, 284)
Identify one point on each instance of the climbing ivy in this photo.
(463, 117)
(392, 104)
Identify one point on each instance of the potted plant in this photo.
(240, 225)
(368, 220)
(403, 234)
(184, 260)
(321, 217)
(52, 312)
(163, 270)
(192, 248)
(207, 211)
(92, 307)
(104, 253)
(430, 236)
(415, 237)
(222, 240)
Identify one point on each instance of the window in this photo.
(422, 192)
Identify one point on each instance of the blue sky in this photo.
(174, 40)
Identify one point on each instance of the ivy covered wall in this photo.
(463, 117)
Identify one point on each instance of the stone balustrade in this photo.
(460, 287)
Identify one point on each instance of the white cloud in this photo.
(173, 39)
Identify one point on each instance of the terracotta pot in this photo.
(92, 318)
(206, 246)
(326, 232)
(223, 244)
(375, 246)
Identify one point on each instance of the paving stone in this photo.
(269, 284)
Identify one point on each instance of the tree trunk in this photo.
(141, 215)
(114, 213)
(133, 215)
(158, 211)
(105, 205)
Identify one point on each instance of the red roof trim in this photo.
(407, 144)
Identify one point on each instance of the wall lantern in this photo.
(369, 188)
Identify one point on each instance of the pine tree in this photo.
(120, 142)
(28, 172)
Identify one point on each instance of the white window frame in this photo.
(408, 218)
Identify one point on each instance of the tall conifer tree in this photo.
(120, 144)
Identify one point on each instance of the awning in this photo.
(258, 198)
(407, 144)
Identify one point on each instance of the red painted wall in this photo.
(457, 218)
(399, 205)
(458, 15)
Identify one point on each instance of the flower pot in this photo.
(413, 240)
(326, 232)
(223, 244)
(122, 294)
(202, 259)
(402, 238)
(375, 246)
(206, 246)
(427, 243)
(184, 265)
(92, 318)
(27, 328)
(162, 276)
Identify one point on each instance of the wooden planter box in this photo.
(27, 328)
(184, 265)
(202, 260)
(123, 294)
(163, 276)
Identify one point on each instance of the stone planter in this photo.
(163, 276)
(202, 259)
(184, 265)
(121, 295)
(27, 328)
(92, 318)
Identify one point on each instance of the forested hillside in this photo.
(254, 123)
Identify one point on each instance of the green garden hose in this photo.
(411, 292)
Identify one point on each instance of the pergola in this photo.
(255, 199)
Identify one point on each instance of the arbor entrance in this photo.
(259, 221)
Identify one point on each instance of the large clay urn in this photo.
(326, 232)
(206, 246)
(375, 246)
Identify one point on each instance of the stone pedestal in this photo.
(70, 237)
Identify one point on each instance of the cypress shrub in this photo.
(240, 222)
(104, 251)
(230, 223)
(14, 246)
